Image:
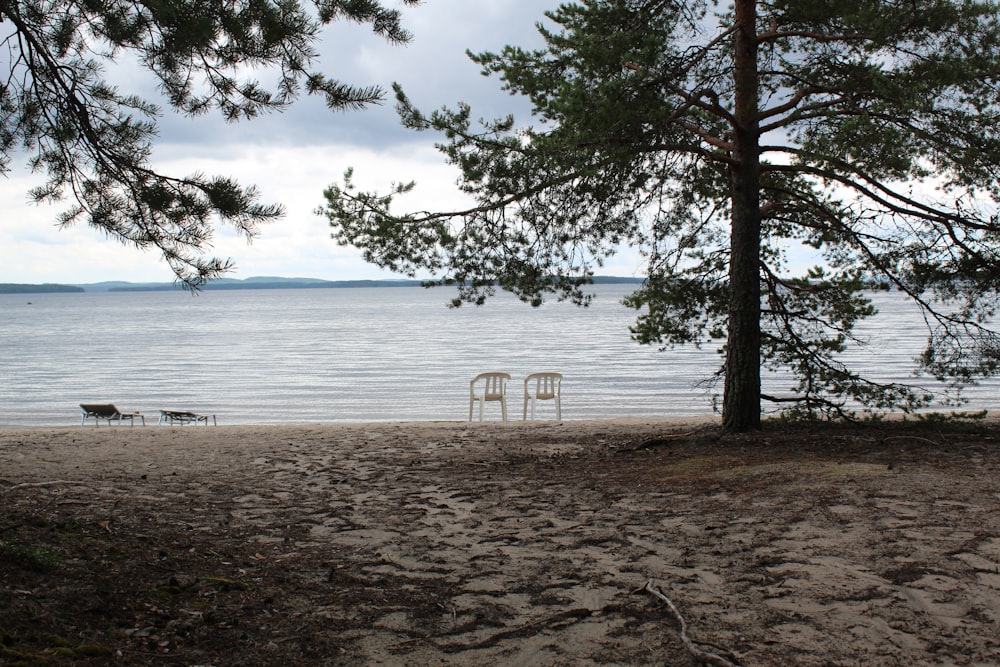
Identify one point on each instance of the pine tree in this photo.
(713, 140)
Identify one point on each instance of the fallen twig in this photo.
(35, 485)
(697, 653)
(911, 437)
(560, 619)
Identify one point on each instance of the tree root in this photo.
(700, 436)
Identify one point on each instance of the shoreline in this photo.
(982, 415)
(433, 423)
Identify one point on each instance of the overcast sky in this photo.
(292, 157)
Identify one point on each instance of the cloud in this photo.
(292, 156)
(434, 70)
(300, 244)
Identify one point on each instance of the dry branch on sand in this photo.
(702, 656)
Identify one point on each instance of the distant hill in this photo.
(47, 288)
(256, 282)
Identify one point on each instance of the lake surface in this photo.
(360, 354)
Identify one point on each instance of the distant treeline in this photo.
(16, 288)
(252, 283)
(309, 283)
(268, 283)
(235, 284)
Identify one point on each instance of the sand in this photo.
(447, 543)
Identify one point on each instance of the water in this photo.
(355, 354)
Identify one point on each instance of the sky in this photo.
(292, 156)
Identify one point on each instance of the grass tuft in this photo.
(37, 559)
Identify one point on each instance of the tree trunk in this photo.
(741, 394)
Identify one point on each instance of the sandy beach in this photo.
(538, 543)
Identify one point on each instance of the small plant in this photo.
(38, 559)
(953, 417)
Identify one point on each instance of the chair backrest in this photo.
(494, 385)
(100, 409)
(547, 385)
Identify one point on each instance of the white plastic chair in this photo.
(494, 388)
(542, 387)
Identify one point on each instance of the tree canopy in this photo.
(94, 141)
(714, 138)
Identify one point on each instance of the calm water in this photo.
(366, 354)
